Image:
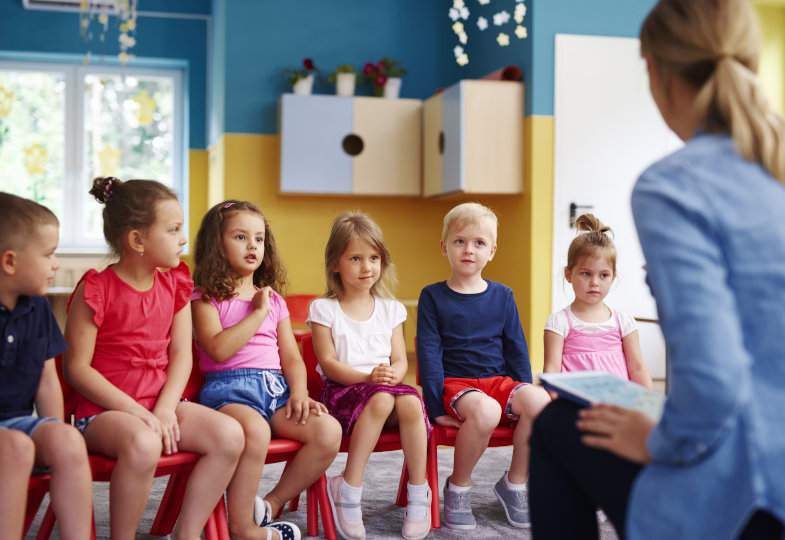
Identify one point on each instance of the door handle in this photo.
(574, 210)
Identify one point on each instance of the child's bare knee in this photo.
(19, 449)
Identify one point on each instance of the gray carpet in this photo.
(383, 520)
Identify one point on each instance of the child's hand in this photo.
(261, 300)
(300, 408)
(382, 374)
(170, 429)
(148, 418)
(447, 421)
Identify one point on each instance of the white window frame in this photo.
(75, 183)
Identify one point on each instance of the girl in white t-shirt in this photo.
(358, 339)
(589, 335)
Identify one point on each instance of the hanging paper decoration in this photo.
(459, 12)
(145, 108)
(6, 102)
(35, 159)
(126, 14)
(109, 160)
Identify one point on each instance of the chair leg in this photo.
(171, 502)
(432, 471)
(328, 523)
(217, 527)
(402, 499)
(294, 504)
(34, 501)
(47, 524)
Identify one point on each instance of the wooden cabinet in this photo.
(351, 145)
(473, 139)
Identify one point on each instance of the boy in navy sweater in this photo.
(474, 365)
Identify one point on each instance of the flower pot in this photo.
(303, 86)
(392, 87)
(344, 84)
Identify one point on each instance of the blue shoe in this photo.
(458, 509)
(285, 530)
(515, 503)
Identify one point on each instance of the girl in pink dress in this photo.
(589, 335)
(128, 333)
(252, 365)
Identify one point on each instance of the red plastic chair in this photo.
(37, 488)
(389, 440)
(445, 436)
(297, 304)
(179, 466)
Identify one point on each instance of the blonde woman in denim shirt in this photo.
(711, 220)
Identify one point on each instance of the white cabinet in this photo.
(350, 145)
(473, 139)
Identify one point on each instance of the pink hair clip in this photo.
(227, 205)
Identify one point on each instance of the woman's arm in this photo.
(49, 397)
(80, 336)
(221, 343)
(636, 367)
(333, 369)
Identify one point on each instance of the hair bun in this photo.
(590, 223)
(103, 187)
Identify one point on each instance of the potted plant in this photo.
(385, 76)
(302, 79)
(345, 78)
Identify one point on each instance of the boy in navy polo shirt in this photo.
(29, 341)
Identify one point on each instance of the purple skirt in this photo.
(345, 403)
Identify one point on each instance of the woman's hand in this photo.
(170, 428)
(382, 374)
(447, 421)
(299, 408)
(618, 430)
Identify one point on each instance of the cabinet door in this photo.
(453, 129)
(390, 160)
(312, 132)
(432, 146)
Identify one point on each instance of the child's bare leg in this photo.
(321, 438)
(137, 449)
(481, 414)
(220, 440)
(414, 437)
(527, 403)
(61, 447)
(244, 484)
(17, 452)
(365, 436)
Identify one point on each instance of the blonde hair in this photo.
(713, 45)
(470, 213)
(594, 241)
(212, 272)
(346, 227)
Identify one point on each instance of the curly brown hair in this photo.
(213, 274)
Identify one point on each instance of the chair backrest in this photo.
(70, 396)
(309, 357)
(196, 379)
(297, 304)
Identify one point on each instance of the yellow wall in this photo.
(772, 64)
(247, 167)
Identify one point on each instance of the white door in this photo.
(607, 131)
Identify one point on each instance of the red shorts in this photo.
(502, 389)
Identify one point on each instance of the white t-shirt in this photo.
(557, 323)
(362, 345)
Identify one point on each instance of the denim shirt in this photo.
(712, 228)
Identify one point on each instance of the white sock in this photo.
(510, 485)
(417, 493)
(351, 495)
(458, 489)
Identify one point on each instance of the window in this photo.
(61, 125)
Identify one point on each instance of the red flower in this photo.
(308, 64)
(382, 65)
(381, 79)
(368, 68)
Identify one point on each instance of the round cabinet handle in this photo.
(352, 144)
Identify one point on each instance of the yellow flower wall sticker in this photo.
(35, 159)
(109, 160)
(145, 108)
(6, 102)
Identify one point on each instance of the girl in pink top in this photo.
(588, 335)
(129, 356)
(253, 368)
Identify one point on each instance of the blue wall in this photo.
(172, 32)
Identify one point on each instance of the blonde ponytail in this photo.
(714, 46)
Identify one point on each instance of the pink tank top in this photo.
(586, 351)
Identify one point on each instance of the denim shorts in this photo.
(26, 424)
(264, 390)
